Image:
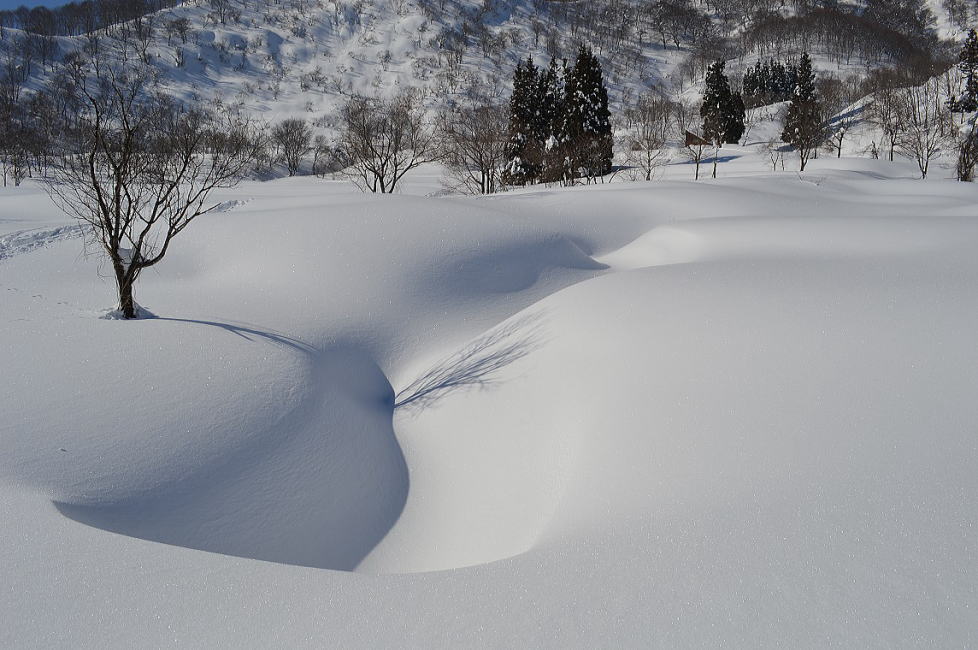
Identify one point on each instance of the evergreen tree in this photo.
(586, 131)
(552, 114)
(769, 81)
(524, 149)
(716, 101)
(738, 117)
(749, 82)
(778, 83)
(968, 64)
(803, 126)
(764, 77)
(789, 80)
(722, 111)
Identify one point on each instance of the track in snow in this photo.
(25, 241)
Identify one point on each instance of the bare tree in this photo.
(922, 111)
(385, 139)
(752, 117)
(292, 137)
(695, 152)
(326, 158)
(223, 9)
(883, 112)
(14, 159)
(775, 153)
(650, 122)
(136, 168)
(836, 100)
(177, 27)
(473, 141)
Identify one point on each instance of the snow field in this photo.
(733, 412)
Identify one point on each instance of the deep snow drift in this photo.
(736, 412)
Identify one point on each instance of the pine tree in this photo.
(968, 64)
(749, 82)
(586, 131)
(779, 83)
(722, 111)
(803, 126)
(791, 81)
(524, 150)
(738, 117)
(764, 79)
(769, 81)
(552, 121)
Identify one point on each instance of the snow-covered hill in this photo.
(304, 58)
(733, 412)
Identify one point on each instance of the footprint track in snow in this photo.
(25, 241)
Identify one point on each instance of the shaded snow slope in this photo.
(731, 413)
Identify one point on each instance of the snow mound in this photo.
(736, 412)
(312, 490)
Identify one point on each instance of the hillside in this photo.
(303, 58)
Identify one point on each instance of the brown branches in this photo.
(385, 139)
(137, 168)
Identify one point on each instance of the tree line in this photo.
(137, 166)
(78, 18)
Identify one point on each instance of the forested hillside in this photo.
(303, 70)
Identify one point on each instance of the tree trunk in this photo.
(126, 303)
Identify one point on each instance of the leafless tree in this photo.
(223, 9)
(136, 168)
(922, 111)
(650, 123)
(883, 111)
(292, 137)
(473, 139)
(385, 139)
(775, 153)
(326, 157)
(695, 153)
(752, 117)
(837, 97)
(177, 27)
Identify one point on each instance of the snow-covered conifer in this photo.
(524, 151)
(587, 123)
(722, 111)
(803, 126)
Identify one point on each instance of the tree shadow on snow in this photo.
(476, 365)
(249, 333)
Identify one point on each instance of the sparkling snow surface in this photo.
(738, 412)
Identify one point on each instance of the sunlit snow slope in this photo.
(735, 412)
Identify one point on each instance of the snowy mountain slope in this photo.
(304, 58)
(734, 411)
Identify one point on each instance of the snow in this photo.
(732, 412)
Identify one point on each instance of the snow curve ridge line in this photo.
(227, 206)
(25, 241)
